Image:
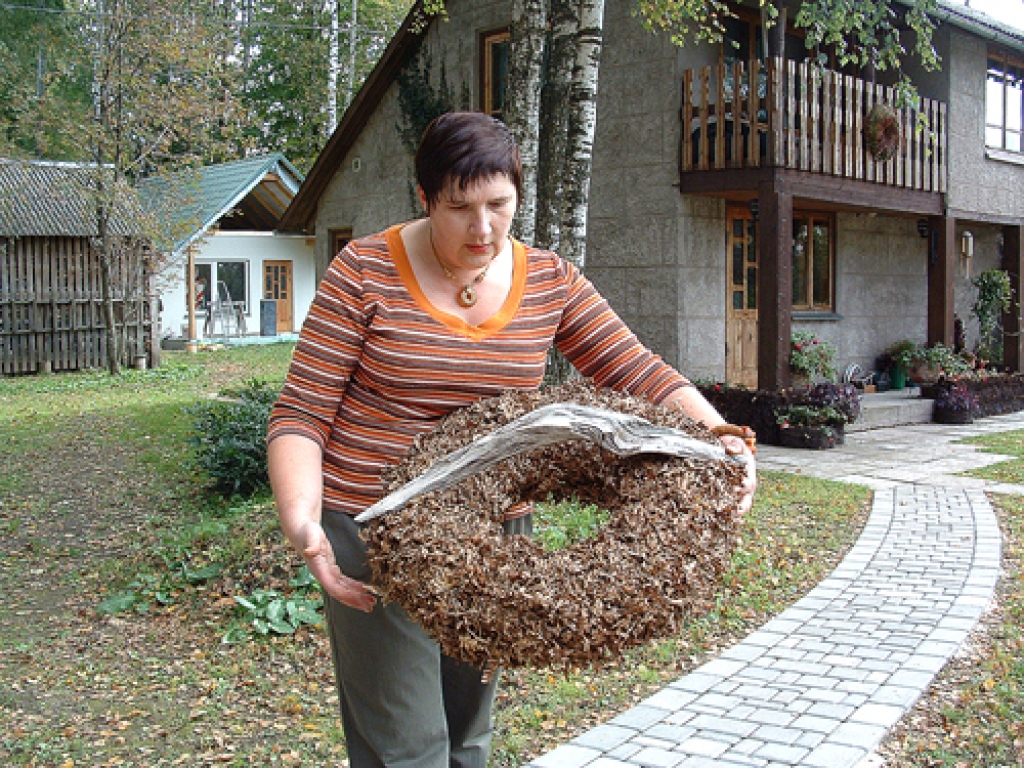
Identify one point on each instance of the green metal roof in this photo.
(190, 203)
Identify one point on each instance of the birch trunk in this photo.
(554, 113)
(522, 101)
(581, 127)
(333, 68)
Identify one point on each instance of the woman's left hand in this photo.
(737, 446)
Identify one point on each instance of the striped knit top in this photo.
(376, 364)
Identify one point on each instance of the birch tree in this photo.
(582, 125)
(555, 95)
(522, 100)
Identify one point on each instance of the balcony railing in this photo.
(782, 114)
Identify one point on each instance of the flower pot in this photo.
(899, 377)
(924, 373)
(815, 438)
(952, 416)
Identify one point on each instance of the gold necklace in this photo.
(467, 296)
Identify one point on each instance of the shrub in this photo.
(229, 438)
(956, 397)
(810, 356)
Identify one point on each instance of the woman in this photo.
(407, 326)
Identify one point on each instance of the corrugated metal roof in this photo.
(194, 201)
(58, 200)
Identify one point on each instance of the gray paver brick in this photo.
(782, 753)
(639, 717)
(833, 756)
(699, 745)
(821, 684)
(604, 737)
(656, 758)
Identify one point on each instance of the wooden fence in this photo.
(51, 305)
(799, 116)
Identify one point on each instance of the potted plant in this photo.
(810, 426)
(929, 364)
(955, 404)
(810, 358)
(901, 353)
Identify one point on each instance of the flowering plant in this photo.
(810, 356)
(810, 416)
(956, 398)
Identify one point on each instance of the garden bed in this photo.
(996, 394)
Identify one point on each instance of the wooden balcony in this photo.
(781, 114)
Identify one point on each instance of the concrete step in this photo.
(889, 409)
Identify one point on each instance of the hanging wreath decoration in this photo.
(882, 132)
(495, 600)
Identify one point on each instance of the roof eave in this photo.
(301, 212)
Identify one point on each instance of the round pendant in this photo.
(467, 296)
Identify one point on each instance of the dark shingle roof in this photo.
(58, 200)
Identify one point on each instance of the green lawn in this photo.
(1007, 443)
(99, 500)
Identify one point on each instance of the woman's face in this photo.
(471, 226)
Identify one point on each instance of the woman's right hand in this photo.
(319, 556)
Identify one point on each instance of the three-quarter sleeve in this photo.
(600, 345)
(326, 354)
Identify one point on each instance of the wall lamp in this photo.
(754, 206)
(922, 227)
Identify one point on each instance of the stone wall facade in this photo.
(660, 257)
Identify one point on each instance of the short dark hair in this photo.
(465, 147)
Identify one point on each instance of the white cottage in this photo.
(249, 278)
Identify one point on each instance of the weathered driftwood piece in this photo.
(620, 433)
(492, 599)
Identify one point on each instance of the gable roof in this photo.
(42, 199)
(302, 211)
(250, 194)
(977, 22)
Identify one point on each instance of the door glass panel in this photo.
(737, 299)
(822, 264)
(751, 241)
(800, 263)
(751, 287)
(737, 262)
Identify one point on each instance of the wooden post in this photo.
(190, 344)
(774, 284)
(1013, 264)
(941, 273)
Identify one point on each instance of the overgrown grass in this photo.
(187, 555)
(1007, 443)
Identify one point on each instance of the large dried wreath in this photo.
(496, 600)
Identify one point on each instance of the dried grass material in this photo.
(494, 600)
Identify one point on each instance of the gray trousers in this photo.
(404, 704)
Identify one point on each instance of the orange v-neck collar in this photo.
(488, 327)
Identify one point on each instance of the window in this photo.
(813, 262)
(339, 239)
(1004, 105)
(222, 281)
(494, 48)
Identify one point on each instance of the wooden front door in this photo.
(741, 312)
(277, 286)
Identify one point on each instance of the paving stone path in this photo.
(822, 683)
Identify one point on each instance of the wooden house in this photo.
(736, 198)
(51, 298)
